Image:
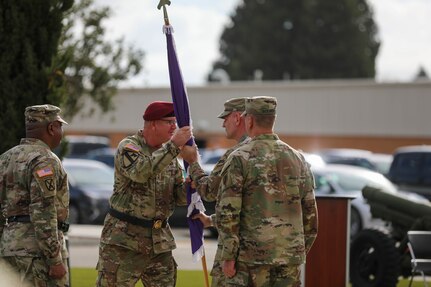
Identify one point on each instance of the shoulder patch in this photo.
(132, 147)
(46, 171)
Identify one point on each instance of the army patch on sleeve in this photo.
(129, 158)
(131, 147)
(50, 185)
(46, 171)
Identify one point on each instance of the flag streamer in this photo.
(182, 114)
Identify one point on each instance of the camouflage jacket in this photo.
(33, 182)
(266, 210)
(207, 185)
(148, 185)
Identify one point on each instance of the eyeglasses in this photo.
(170, 122)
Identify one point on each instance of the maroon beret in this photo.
(158, 110)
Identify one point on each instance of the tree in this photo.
(29, 35)
(422, 74)
(93, 66)
(45, 58)
(306, 39)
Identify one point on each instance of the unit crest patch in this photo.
(49, 183)
(130, 155)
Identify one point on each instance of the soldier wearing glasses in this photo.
(34, 203)
(137, 242)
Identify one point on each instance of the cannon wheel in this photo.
(374, 260)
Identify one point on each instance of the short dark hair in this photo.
(264, 121)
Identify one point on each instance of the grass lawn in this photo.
(405, 283)
(86, 277)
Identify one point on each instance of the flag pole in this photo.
(163, 3)
(204, 267)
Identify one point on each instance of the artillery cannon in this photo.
(379, 257)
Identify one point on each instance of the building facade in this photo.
(311, 115)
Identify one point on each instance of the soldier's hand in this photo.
(57, 271)
(191, 182)
(229, 268)
(181, 136)
(190, 153)
(205, 219)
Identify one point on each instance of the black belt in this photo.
(63, 226)
(153, 223)
(19, 218)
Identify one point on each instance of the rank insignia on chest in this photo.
(47, 171)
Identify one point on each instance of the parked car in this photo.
(91, 185)
(382, 162)
(350, 180)
(357, 157)
(105, 155)
(209, 158)
(314, 159)
(411, 169)
(74, 146)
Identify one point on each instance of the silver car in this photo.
(350, 180)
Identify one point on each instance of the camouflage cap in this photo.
(232, 105)
(43, 113)
(260, 106)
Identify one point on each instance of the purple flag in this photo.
(182, 113)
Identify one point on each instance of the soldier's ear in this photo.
(50, 128)
(238, 118)
(153, 125)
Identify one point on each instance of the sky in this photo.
(404, 32)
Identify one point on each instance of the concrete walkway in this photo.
(84, 243)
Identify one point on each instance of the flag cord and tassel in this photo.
(181, 108)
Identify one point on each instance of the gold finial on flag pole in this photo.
(163, 4)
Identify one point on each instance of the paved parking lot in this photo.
(84, 242)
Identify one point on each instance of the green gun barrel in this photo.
(396, 208)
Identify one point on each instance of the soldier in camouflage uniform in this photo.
(207, 185)
(136, 241)
(34, 202)
(266, 211)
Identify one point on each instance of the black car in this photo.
(90, 185)
(411, 169)
(105, 155)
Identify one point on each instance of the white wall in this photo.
(352, 107)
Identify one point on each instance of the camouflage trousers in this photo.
(217, 275)
(30, 271)
(264, 276)
(121, 267)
